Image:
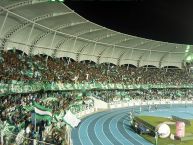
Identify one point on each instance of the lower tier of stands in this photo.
(17, 109)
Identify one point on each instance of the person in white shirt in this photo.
(87, 76)
(75, 79)
(28, 130)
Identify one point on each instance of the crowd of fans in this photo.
(16, 110)
(15, 65)
(113, 96)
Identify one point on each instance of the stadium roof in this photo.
(51, 28)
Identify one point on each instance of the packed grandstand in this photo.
(48, 66)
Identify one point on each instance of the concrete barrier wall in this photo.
(101, 105)
(145, 102)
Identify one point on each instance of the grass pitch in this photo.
(166, 141)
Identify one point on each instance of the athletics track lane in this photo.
(107, 128)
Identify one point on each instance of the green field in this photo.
(166, 141)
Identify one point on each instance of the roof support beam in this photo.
(128, 39)
(166, 54)
(29, 36)
(92, 54)
(123, 40)
(89, 31)
(120, 57)
(74, 24)
(109, 47)
(113, 51)
(94, 49)
(105, 36)
(4, 21)
(16, 28)
(100, 55)
(120, 41)
(51, 45)
(140, 58)
(63, 41)
(74, 43)
(52, 42)
(40, 37)
(159, 45)
(98, 59)
(123, 54)
(137, 45)
(17, 5)
(62, 33)
(124, 51)
(148, 58)
(80, 51)
(141, 44)
(97, 39)
(60, 43)
(66, 34)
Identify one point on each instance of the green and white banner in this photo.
(42, 113)
(21, 87)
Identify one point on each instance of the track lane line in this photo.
(113, 128)
(99, 127)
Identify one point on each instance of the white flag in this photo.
(71, 119)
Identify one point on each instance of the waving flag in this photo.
(71, 119)
(42, 113)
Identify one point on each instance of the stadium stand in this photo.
(18, 67)
(50, 57)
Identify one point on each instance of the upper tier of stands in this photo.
(15, 65)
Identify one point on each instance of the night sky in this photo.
(166, 20)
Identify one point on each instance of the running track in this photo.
(108, 128)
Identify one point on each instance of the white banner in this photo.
(71, 119)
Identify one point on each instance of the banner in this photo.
(21, 87)
(180, 129)
(71, 119)
(42, 113)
